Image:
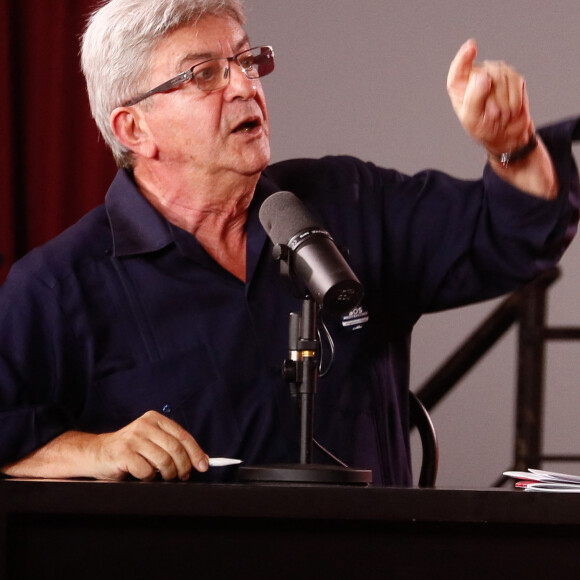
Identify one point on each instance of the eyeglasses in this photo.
(214, 74)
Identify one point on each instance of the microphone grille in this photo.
(283, 215)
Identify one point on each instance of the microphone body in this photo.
(313, 256)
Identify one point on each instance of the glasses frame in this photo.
(189, 74)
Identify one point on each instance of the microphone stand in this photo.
(300, 371)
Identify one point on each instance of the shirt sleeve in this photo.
(38, 361)
(453, 242)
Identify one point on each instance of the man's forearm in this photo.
(66, 456)
(149, 446)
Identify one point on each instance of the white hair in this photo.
(117, 47)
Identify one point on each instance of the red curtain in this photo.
(54, 166)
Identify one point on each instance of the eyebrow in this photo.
(201, 56)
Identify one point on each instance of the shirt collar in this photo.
(136, 226)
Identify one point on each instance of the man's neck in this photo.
(216, 215)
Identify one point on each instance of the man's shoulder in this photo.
(85, 242)
(332, 171)
(330, 166)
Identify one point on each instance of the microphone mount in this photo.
(283, 254)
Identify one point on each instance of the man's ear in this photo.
(130, 128)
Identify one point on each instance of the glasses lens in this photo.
(211, 75)
(257, 62)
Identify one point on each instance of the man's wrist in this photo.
(509, 157)
(533, 173)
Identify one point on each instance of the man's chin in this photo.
(259, 162)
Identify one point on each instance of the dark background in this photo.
(53, 165)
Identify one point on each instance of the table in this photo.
(92, 529)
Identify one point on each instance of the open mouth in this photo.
(247, 126)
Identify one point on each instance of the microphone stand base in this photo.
(304, 474)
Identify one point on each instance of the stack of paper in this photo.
(539, 480)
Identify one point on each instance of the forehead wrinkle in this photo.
(199, 57)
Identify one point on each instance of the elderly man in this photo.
(151, 333)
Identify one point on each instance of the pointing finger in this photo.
(461, 66)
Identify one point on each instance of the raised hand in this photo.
(490, 100)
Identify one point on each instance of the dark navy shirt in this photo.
(125, 312)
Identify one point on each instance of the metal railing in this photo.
(527, 307)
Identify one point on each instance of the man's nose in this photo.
(240, 85)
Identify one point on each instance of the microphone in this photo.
(313, 256)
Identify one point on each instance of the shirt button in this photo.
(167, 409)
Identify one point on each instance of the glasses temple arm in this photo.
(166, 86)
